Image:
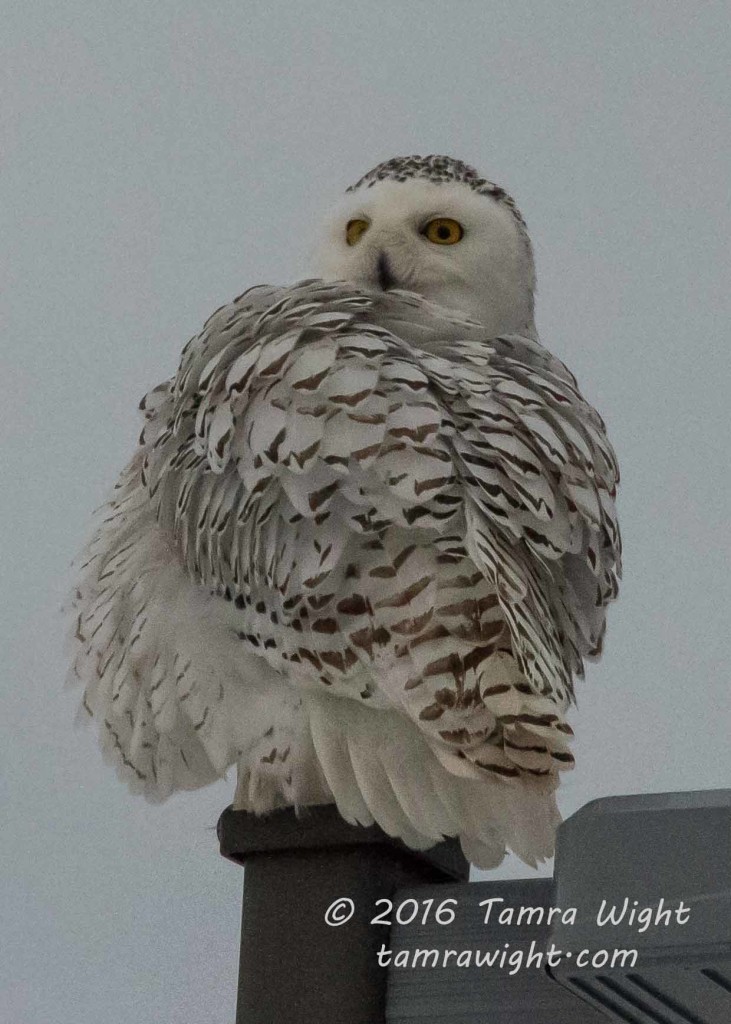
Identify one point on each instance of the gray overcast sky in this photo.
(159, 158)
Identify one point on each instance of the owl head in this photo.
(432, 225)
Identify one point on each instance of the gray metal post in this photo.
(293, 966)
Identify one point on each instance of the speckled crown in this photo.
(437, 169)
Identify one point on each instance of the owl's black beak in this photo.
(386, 279)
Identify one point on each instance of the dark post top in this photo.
(241, 835)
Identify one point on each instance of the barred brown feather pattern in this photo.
(385, 509)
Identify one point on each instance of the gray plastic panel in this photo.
(450, 994)
(661, 864)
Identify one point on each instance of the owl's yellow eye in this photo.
(354, 229)
(443, 231)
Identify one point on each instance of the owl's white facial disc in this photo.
(487, 274)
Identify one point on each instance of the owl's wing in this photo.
(540, 480)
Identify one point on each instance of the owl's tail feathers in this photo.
(380, 768)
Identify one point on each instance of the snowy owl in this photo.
(367, 539)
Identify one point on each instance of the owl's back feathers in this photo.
(361, 551)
